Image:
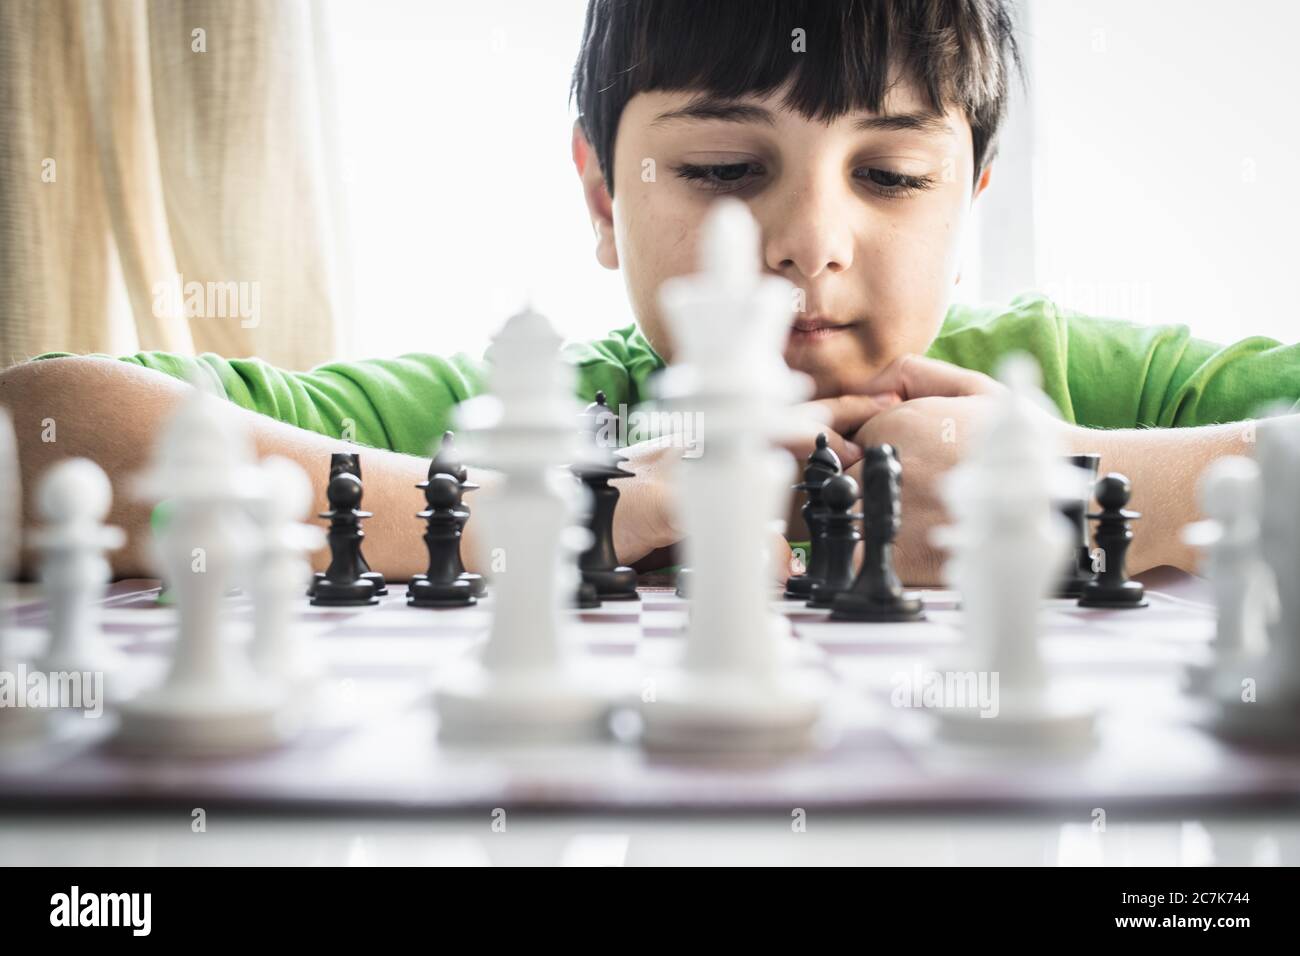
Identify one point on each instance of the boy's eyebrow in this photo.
(729, 111)
(710, 108)
(921, 122)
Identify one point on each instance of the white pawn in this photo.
(1245, 595)
(1007, 546)
(736, 686)
(527, 684)
(211, 702)
(73, 500)
(278, 574)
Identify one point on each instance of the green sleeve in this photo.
(403, 404)
(620, 365)
(1105, 373)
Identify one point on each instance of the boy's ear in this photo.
(599, 204)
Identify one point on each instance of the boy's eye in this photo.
(891, 184)
(725, 177)
(720, 176)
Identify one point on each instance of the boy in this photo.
(859, 134)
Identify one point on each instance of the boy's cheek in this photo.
(653, 246)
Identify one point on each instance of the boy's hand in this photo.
(839, 419)
(646, 519)
(931, 428)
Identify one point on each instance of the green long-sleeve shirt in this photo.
(1101, 373)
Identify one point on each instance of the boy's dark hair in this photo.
(959, 52)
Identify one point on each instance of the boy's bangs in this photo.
(833, 58)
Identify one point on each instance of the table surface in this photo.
(373, 784)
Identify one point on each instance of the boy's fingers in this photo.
(915, 376)
(849, 453)
(845, 414)
(781, 557)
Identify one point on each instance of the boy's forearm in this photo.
(90, 408)
(1164, 466)
(114, 413)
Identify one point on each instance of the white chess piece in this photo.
(1258, 696)
(1245, 594)
(527, 684)
(736, 687)
(1008, 544)
(279, 573)
(17, 723)
(73, 499)
(211, 702)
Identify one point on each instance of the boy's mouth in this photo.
(815, 329)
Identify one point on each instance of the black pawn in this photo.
(441, 585)
(841, 539)
(599, 563)
(1079, 571)
(342, 583)
(446, 462)
(822, 465)
(877, 594)
(350, 463)
(1110, 587)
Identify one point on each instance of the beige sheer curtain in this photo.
(169, 180)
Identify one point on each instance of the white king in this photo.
(735, 687)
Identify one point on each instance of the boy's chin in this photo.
(833, 367)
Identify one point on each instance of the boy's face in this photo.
(865, 214)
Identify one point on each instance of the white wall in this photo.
(461, 198)
(1167, 160)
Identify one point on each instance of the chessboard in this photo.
(373, 741)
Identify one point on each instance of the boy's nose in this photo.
(808, 234)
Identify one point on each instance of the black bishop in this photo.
(821, 465)
(343, 582)
(602, 464)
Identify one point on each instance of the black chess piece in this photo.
(876, 593)
(602, 464)
(441, 585)
(350, 462)
(1079, 572)
(446, 462)
(1110, 587)
(342, 583)
(586, 597)
(839, 493)
(822, 464)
